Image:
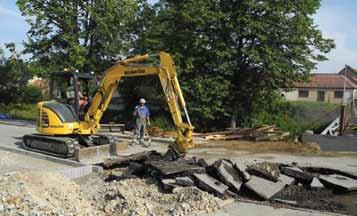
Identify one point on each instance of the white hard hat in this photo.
(142, 100)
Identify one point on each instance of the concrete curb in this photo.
(68, 162)
(77, 172)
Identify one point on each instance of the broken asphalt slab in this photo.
(242, 171)
(316, 184)
(171, 169)
(185, 181)
(329, 170)
(339, 182)
(210, 184)
(296, 173)
(228, 174)
(265, 188)
(266, 170)
(168, 184)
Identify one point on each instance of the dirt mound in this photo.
(36, 193)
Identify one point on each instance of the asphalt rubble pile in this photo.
(285, 184)
(49, 193)
(149, 183)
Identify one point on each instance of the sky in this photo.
(335, 18)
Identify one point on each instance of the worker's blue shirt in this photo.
(142, 111)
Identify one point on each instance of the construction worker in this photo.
(142, 115)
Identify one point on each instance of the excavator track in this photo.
(57, 146)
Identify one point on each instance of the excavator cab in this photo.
(68, 87)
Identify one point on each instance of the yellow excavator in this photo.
(63, 126)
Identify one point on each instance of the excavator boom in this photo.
(166, 72)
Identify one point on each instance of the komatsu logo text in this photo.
(138, 71)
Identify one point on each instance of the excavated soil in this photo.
(320, 199)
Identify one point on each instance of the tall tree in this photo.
(86, 35)
(233, 55)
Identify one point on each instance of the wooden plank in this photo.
(245, 131)
(215, 137)
(271, 136)
(234, 137)
(265, 128)
(218, 133)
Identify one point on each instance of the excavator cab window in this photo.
(72, 88)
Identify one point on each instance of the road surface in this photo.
(10, 136)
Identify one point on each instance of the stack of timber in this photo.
(261, 133)
(159, 132)
(155, 131)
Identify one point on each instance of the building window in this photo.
(338, 94)
(303, 93)
(320, 96)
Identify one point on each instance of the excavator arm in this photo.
(166, 72)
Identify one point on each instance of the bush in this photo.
(20, 111)
(163, 122)
(31, 94)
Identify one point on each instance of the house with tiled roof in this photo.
(324, 87)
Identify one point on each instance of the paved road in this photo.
(12, 162)
(253, 209)
(10, 136)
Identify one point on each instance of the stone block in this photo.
(210, 184)
(339, 182)
(264, 188)
(185, 181)
(228, 174)
(296, 173)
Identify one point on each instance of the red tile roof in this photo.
(327, 81)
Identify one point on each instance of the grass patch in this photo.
(20, 111)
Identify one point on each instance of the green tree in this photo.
(235, 56)
(86, 35)
(31, 94)
(14, 74)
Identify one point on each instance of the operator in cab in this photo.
(142, 117)
(83, 100)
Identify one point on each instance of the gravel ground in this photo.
(45, 193)
(40, 193)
